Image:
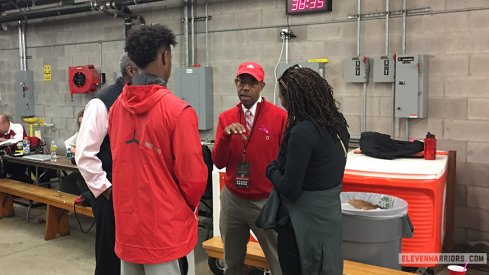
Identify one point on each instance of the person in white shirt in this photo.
(94, 161)
(70, 143)
(11, 133)
(74, 182)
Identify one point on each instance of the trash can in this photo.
(373, 236)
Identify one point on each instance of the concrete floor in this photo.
(23, 249)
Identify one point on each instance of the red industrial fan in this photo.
(83, 79)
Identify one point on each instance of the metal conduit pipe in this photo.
(286, 38)
(124, 3)
(206, 34)
(404, 51)
(404, 26)
(125, 13)
(21, 53)
(386, 52)
(46, 13)
(192, 30)
(24, 51)
(10, 5)
(185, 27)
(359, 17)
(393, 85)
(386, 45)
(359, 6)
(66, 10)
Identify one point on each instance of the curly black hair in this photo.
(309, 96)
(144, 42)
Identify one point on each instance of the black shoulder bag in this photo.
(268, 215)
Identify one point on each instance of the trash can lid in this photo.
(374, 205)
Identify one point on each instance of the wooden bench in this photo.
(58, 205)
(255, 257)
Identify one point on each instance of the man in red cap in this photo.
(248, 137)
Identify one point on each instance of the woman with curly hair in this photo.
(308, 175)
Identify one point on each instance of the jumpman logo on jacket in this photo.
(133, 140)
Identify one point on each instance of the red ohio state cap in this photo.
(253, 69)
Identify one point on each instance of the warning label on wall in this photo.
(47, 72)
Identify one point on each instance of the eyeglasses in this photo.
(286, 72)
(243, 82)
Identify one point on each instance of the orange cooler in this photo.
(422, 183)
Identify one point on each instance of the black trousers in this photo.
(107, 262)
(73, 184)
(18, 172)
(288, 252)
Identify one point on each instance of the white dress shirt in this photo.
(252, 109)
(92, 132)
(71, 141)
(19, 132)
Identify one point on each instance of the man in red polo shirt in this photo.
(248, 137)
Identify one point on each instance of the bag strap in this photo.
(342, 145)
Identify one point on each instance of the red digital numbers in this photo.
(301, 5)
(294, 5)
(312, 4)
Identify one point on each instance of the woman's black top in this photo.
(311, 160)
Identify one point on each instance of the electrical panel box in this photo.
(411, 96)
(24, 93)
(316, 66)
(383, 69)
(356, 70)
(194, 85)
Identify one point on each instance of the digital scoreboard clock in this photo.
(308, 6)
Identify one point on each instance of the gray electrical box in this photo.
(383, 69)
(24, 93)
(411, 96)
(194, 85)
(316, 66)
(356, 70)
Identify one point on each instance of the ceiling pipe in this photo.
(66, 10)
(9, 5)
(45, 13)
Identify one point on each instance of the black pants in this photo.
(107, 262)
(288, 252)
(73, 184)
(18, 172)
(183, 264)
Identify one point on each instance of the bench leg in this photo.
(6, 205)
(56, 222)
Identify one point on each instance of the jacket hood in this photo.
(140, 99)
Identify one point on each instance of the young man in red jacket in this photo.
(158, 171)
(248, 137)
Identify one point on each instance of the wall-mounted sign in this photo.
(308, 6)
(47, 72)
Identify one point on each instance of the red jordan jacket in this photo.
(158, 174)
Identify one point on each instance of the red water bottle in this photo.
(430, 147)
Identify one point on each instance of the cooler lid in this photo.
(412, 168)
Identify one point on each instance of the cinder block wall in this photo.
(455, 35)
